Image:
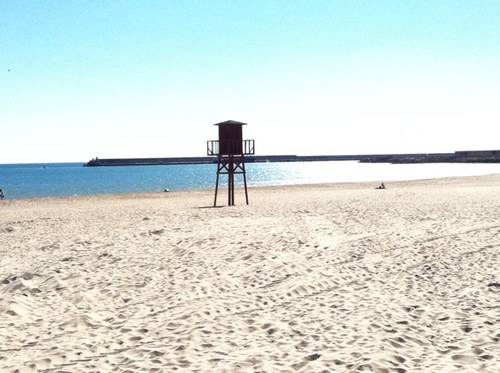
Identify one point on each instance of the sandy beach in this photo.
(318, 278)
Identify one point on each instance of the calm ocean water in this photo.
(68, 179)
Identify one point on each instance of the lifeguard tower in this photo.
(230, 150)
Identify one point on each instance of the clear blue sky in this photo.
(80, 79)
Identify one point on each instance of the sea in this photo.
(21, 181)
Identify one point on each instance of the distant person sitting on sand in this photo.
(1, 194)
(381, 186)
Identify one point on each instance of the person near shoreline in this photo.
(2, 196)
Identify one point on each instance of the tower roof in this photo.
(230, 122)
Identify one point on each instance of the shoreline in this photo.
(222, 190)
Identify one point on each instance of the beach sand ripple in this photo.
(320, 278)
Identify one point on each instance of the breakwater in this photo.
(209, 160)
(479, 156)
(470, 156)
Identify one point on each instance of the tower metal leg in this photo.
(217, 183)
(230, 176)
(244, 178)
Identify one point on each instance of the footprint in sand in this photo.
(157, 232)
(464, 359)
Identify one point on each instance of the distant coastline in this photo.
(472, 156)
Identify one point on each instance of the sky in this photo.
(113, 79)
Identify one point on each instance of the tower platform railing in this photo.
(228, 147)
